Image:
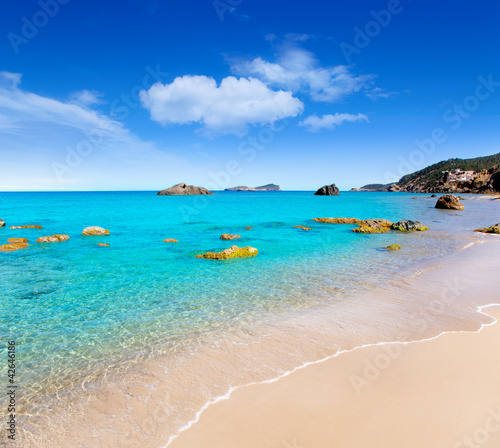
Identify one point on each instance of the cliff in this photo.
(477, 175)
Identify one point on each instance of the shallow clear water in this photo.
(75, 308)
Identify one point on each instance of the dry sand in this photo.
(443, 392)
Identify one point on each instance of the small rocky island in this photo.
(328, 190)
(183, 189)
(268, 187)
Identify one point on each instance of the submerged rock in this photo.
(409, 226)
(449, 202)
(328, 190)
(52, 239)
(183, 189)
(302, 227)
(103, 244)
(94, 230)
(338, 220)
(394, 247)
(13, 247)
(229, 236)
(26, 227)
(248, 228)
(17, 240)
(170, 240)
(492, 229)
(232, 252)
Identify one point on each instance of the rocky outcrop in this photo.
(13, 247)
(492, 229)
(328, 190)
(393, 188)
(232, 252)
(170, 240)
(409, 226)
(52, 239)
(376, 222)
(183, 189)
(229, 236)
(26, 227)
(449, 202)
(94, 230)
(394, 247)
(338, 220)
(17, 240)
(2, 223)
(302, 227)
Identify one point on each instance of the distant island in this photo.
(477, 175)
(268, 187)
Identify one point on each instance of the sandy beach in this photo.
(441, 392)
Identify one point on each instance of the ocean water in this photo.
(84, 316)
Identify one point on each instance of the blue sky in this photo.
(140, 95)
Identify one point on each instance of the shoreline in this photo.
(243, 417)
(191, 431)
(106, 405)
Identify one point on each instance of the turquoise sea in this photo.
(79, 311)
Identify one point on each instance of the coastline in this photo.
(435, 393)
(234, 418)
(348, 399)
(140, 406)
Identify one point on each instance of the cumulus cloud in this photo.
(297, 69)
(314, 123)
(228, 108)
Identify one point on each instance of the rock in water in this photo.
(94, 230)
(170, 240)
(302, 227)
(183, 189)
(409, 226)
(2, 223)
(232, 252)
(12, 247)
(376, 222)
(17, 240)
(492, 229)
(328, 190)
(26, 227)
(229, 236)
(338, 220)
(449, 202)
(52, 239)
(394, 247)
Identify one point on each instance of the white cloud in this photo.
(297, 70)
(86, 98)
(377, 93)
(314, 123)
(48, 144)
(225, 109)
